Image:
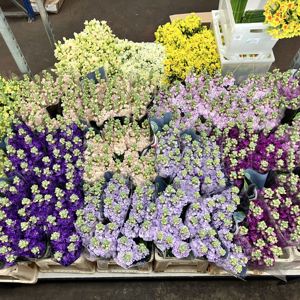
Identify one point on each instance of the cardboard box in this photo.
(52, 6)
(206, 17)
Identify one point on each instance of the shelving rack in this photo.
(10, 39)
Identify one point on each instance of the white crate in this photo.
(244, 38)
(255, 4)
(81, 265)
(175, 265)
(240, 64)
(20, 273)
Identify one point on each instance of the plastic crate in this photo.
(241, 65)
(243, 38)
(81, 265)
(255, 4)
(20, 273)
(174, 265)
(110, 266)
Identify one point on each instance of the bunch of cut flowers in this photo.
(44, 191)
(190, 46)
(259, 102)
(109, 223)
(123, 147)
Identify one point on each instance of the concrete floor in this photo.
(133, 19)
(154, 289)
(136, 20)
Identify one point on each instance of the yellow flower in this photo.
(283, 18)
(190, 47)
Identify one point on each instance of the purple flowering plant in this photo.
(264, 151)
(258, 236)
(46, 166)
(210, 221)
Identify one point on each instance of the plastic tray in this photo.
(174, 265)
(26, 273)
(110, 266)
(81, 265)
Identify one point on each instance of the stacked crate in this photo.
(244, 48)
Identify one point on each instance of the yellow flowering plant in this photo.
(283, 17)
(190, 47)
(8, 107)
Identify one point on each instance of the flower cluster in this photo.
(8, 108)
(35, 98)
(8, 105)
(121, 147)
(259, 102)
(90, 49)
(110, 221)
(283, 18)
(97, 102)
(96, 46)
(167, 229)
(189, 47)
(258, 236)
(45, 193)
(273, 221)
(263, 151)
(283, 202)
(189, 162)
(210, 222)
